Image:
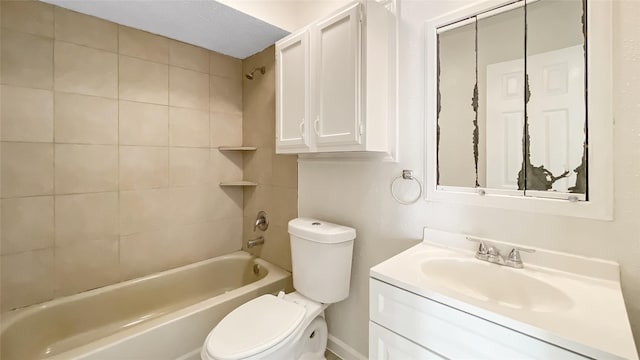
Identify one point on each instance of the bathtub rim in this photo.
(7, 319)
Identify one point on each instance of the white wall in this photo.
(357, 193)
(288, 15)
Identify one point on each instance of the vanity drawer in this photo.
(387, 345)
(450, 332)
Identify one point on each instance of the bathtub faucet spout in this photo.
(255, 242)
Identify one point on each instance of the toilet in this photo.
(291, 326)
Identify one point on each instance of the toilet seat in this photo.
(254, 327)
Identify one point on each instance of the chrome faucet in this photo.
(492, 254)
(255, 242)
(262, 223)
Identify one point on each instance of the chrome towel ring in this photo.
(406, 175)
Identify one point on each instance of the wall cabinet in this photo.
(325, 84)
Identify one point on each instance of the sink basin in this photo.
(501, 285)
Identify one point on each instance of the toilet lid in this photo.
(254, 327)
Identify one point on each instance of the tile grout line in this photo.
(55, 91)
(210, 170)
(103, 144)
(72, 193)
(119, 275)
(53, 145)
(169, 144)
(243, 156)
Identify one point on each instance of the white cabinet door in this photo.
(387, 345)
(292, 93)
(336, 88)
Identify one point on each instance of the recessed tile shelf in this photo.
(238, 183)
(237, 148)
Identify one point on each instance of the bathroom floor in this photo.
(331, 356)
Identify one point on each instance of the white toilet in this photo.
(291, 326)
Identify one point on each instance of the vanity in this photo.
(436, 300)
(519, 117)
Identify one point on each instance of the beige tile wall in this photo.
(277, 175)
(109, 165)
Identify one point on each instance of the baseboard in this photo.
(344, 351)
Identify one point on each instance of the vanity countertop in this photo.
(570, 301)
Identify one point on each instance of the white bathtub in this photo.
(162, 316)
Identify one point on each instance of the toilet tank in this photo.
(321, 259)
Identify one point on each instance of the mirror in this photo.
(511, 100)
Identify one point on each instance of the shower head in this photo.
(250, 75)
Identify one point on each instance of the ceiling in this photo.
(204, 23)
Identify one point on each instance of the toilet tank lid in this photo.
(321, 231)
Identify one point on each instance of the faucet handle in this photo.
(514, 259)
(262, 222)
(482, 252)
(516, 250)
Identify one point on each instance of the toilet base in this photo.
(310, 343)
(313, 342)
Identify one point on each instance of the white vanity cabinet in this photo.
(327, 99)
(436, 299)
(406, 326)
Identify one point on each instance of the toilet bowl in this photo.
(291, 326)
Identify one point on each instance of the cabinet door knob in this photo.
(301, 126)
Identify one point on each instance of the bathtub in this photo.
(161, 316)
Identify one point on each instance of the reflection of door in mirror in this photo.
(556, 117)
(556, 111)
(505, 122)
(557, 105)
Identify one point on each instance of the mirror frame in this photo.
(600, 122)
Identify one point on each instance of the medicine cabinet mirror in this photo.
(511, 100)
